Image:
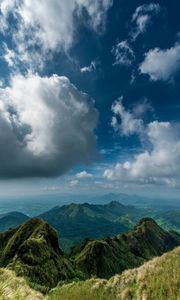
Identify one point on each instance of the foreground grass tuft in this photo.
(16, 288)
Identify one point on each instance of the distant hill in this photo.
(75, 222)
(11, 219)
(32, 250)
(106, 257)
(169, 219)
(158, 279)
(138, 201)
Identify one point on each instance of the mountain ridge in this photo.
(106, 257)
(158, 278)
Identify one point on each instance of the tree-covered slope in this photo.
(11, 219)
(169, 219)
(75, 222)
(32, 250)
(106, 257)
(158, 279)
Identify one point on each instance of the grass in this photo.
(16, 288)
(158, 279)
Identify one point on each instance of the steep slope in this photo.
(12, 219)
(75, 222)
(158, 279)
(32, 250)
(106, 257)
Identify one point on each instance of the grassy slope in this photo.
(158, 279)
(32, 251)
(16, 288)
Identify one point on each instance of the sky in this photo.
(89, 97)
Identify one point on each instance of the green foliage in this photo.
(33, 252)
(158, 279)
(109, 256)
(169, 220)
(75, 222)
(11, 220)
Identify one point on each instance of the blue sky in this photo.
(89, 97)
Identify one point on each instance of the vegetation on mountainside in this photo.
(11, 220)
(157, 279)
(32, 250)
(106, 257)
(169, 219)
(76, 222)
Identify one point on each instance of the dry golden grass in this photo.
(16, 288)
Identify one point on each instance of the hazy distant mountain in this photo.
(75, 222)
(138, 201)
(11, 220)
(169, 219)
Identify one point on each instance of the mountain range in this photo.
(32, 251)
(75, 222)
(145, 282)
(106, 257)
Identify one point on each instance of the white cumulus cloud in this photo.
(161, 64)
(84, 175)
(157, 163)
(48, 25)
(46, 126)
(128, 124)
